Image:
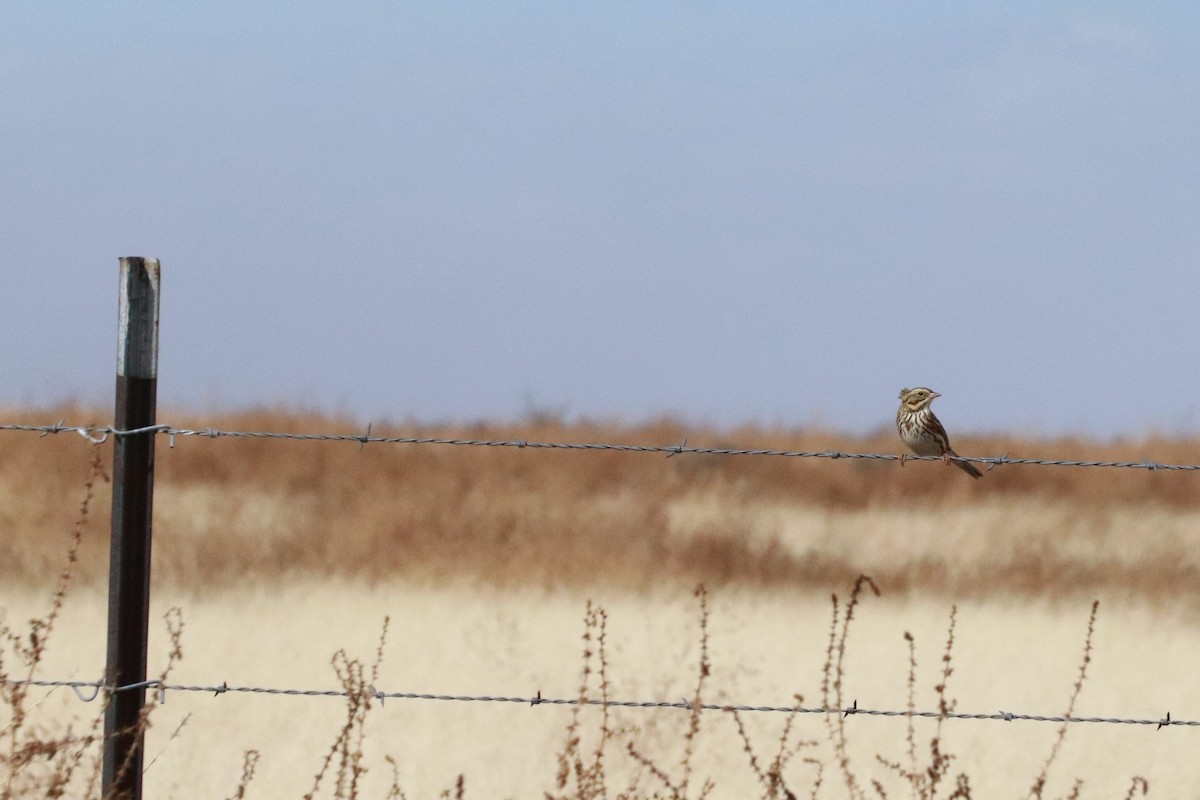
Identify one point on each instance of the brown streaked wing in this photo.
(935, 425)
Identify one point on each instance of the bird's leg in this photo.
(946, 458)
(902, 457)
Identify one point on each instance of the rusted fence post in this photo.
(132, 495)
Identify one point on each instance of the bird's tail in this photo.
(965, 466)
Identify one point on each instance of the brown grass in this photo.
(230, 508)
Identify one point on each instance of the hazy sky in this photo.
(776, 212)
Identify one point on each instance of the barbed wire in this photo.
(100, 434)
(97, 687)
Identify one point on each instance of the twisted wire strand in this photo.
(100, 434)
(538, 700)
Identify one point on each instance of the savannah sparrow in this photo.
(921, 431)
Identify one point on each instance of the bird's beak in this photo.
(935, 394)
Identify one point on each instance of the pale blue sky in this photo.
(778, 212)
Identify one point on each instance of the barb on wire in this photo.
(100, 434)
(678, 449)
(538, 700)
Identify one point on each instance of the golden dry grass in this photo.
(227, 510)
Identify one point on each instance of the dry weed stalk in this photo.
(581, 775)
(175, 734)
(923, 783)
(679, 790)
(833, 676)
(394, 791)
(460, 790)
(910, 732)
(587, 771)
(820, 765)
(347, 748)
(939, 759)
(1039, 782)
(772, 780)
(1138, 782)
(27, 743)
(249, 764)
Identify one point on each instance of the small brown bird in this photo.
(921, 430)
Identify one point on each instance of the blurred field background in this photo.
(232, 510)
(281, 552)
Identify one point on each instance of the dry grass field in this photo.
(229, 511)
(279, 553)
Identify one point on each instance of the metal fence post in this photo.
(129, 558)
